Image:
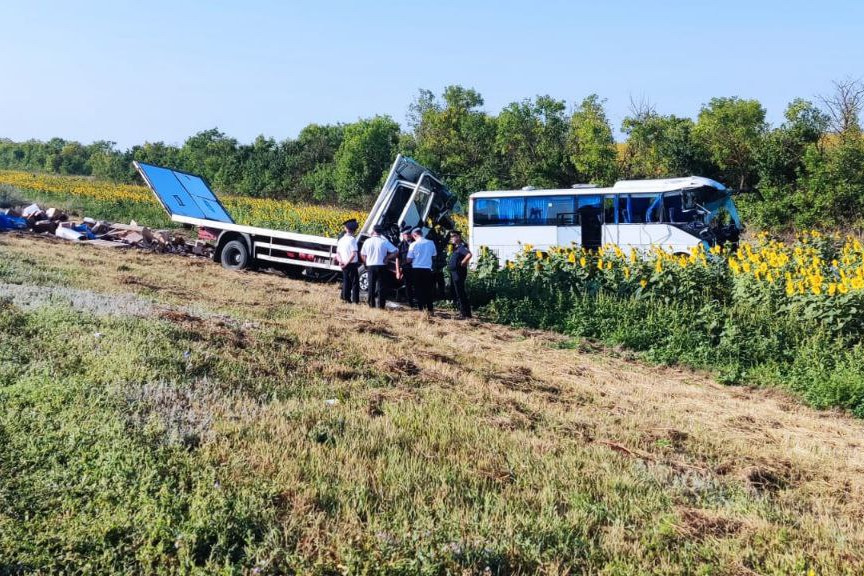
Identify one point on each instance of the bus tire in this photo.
(235, 255)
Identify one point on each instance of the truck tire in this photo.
(364, 279)
(235, 255)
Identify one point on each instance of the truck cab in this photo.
(412, 196)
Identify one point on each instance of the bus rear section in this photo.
(673, 214)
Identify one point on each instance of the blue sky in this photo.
(163, 70)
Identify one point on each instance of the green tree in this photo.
(365, 154)
(213, 155)
(661, 146)
(590, 144)
(780, 156)
(158, 153)
(531, 139)
(308, 161)
(260, 169)
(106, 162)
(731, 130)
(831, 189)
(457, 140)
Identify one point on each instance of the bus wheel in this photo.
(235, 255)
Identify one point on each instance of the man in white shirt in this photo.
(346, 257)
(376, 252)
(421, 255)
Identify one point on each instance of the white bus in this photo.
(675, 214)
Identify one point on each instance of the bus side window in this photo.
(673, 208)
(637, 209)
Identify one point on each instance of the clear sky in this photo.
(165, 69)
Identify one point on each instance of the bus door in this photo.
(591, 220)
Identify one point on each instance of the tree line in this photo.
(808, 171)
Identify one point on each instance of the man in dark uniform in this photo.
(458, 266)
(404, 269)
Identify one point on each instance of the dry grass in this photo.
(766, 482)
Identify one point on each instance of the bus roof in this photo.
(655, 186)
(666, 184)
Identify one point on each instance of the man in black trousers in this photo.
(421, 254)
(458, 266)
(404, 269)
(349, 261)
(377, 251)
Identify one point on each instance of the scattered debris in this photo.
(65, 231)
(9, 220)
(32, 211)
(58, 223)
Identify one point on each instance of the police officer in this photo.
(376, 252)
(421, 254)
(458, 266)
(404, 269)
(349, 261)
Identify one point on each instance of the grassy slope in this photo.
(203, 437)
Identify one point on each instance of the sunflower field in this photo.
(124, 202)
(768, 312)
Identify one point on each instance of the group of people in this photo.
(414, 260)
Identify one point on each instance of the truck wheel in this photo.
(235, 255)
(364, 279)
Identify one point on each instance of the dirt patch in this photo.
(435, 356)
(375, 407)
(515, 415)
(770, 475)
(521, 379)
(179, 317)
(130, 280)
(402, 367)
(366, 327)
(765, 479)
(333, 371)
(668, 439)
(697, 523)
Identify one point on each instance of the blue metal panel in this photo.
(183, 194)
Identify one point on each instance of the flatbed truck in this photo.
(411, 196)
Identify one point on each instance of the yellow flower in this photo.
(643, 282)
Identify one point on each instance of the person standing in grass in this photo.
(421, 254)
(348, 260)
(404, 270)
(377, 251)
(458, 266)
